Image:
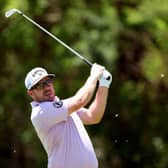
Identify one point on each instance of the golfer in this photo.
(60, 123)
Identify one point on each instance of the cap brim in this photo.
(48, 75)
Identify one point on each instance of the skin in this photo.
(45, 94)
(94, 113)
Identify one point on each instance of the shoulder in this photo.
(50, 112)
(57, 103)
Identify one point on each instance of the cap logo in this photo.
(38, 72)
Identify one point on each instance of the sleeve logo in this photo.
(58, 104)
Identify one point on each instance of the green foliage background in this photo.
(128, 37)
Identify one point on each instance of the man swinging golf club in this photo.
(60, 123)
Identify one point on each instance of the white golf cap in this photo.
(35, 75)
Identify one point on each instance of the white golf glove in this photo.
(96, 70)
(106, 79)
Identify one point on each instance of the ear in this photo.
(30, 93)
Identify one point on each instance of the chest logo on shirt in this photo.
(58, 104)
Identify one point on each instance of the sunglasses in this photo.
(41, 85)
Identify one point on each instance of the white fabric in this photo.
(35, 75)
(64, 137)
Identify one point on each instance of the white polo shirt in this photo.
(63, 136)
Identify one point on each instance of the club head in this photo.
(11, 12)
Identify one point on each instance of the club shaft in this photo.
(58, 40)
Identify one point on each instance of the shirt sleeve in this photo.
(81, 111)
(50, 113)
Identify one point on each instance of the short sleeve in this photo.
(49, 113)
(81, 111)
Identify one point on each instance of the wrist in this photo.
(93, 78)
(103, 83)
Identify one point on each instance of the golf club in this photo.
(12, 11)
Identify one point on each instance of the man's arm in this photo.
(84, 94)
(95, 112)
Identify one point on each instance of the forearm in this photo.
(86, 92)
(83, 95)
(95, 112)
(97, 108)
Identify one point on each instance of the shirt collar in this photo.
(35, 103)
